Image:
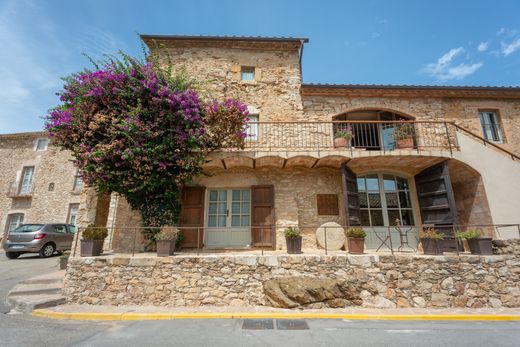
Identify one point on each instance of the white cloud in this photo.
(483, 46)
(445, 69)
(510, 47)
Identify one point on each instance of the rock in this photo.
(291, 292)
(402, 303)
(419, 301)
(495, 303)
(439, 300)
(447, 283)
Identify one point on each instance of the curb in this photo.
(169, 316)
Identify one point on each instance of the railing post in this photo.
(198, 240)
(133, 243)
(448, 136)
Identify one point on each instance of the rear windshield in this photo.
(27, 228)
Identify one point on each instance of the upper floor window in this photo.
(491, 126)
(14, 221)
(41, 144)
(73, 212)
(252, 128)
(247, 73)
(27, 179)
(78, 183)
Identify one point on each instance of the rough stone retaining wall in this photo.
(384, 281)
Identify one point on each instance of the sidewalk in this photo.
(41, 297)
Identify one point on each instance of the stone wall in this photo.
(51, 166)
(305, 281)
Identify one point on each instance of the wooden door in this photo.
(262, 216)
(192, 216)
(351, 196)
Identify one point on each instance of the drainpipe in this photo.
(302, 42)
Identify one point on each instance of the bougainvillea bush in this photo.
(137, 129)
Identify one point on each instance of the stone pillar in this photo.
(93, 209)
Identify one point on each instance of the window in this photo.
(384, 200)
(78, 183)
(224, 201)
(327, 204)
(61, 229)
(51, 187)
(27, 178)
(73, 212)
(252, 128)
(14, 221)
(491, 126)
(247, 73)
(41, 144)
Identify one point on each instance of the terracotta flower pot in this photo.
(91, 248)
(165, 248)
(405, 143)
(432, 246)
(482, 246)
(294, 245)
(340, 142)
(356, 245)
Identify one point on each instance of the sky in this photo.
(365, 42)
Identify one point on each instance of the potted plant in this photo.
(92, 240)
(355, 240)
(477, 244)
(342, 138)
(403, 135)
(64, 259)
(166, 241)
(293, 240)
(431, 241)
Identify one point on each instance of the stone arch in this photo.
(402, 114)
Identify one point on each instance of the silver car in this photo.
(44, 239)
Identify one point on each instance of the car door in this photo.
(60, 235)
(71, 230)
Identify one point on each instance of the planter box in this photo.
(340, 142)
(404, 143)
(294, 245)
(91, 248)
(356, 245)
(432, 247)
(165, 248)
(482, 246)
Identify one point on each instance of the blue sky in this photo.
(382, 42)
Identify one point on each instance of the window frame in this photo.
(77, 184)
(383, 198)
(228, 215)
(495, 127)
(252, 130)
(10, 219)
(21, 189)
(247, 70)
(37, 144)
(69, 214)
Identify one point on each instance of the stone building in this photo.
(379, 156)
(40, 184)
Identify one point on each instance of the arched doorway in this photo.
(376, 129)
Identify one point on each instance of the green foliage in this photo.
(342, 135)
(355, 233)
(430, 233)
(167, 233)
(403, 131)
(291, 233)
(469, 234)
(94, 232)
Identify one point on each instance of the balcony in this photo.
(350, 136)
(14, 190)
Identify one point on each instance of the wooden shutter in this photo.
(327, 204)
(262, 216)
(192, 216)
(437, 202)
(351, 196)
(435, 195)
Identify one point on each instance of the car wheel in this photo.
(47, 250)
(12, 255)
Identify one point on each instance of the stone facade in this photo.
(383, 281)
(52, 185)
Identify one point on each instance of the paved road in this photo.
(22, 330)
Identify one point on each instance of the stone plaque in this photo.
(335, 236)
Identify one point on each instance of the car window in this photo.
(72, 229)
(27, 228)
(60, 229)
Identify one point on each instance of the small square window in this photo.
(41, 145)
(248, 73)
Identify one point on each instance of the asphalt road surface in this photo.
(24, 330)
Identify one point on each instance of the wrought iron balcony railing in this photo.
(350, 135)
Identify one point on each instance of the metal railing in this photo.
(14, 190)
(350, 135)
(385, 238)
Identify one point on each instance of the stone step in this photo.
(26, 304)
(42, 281)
